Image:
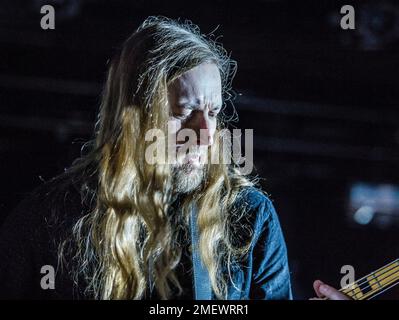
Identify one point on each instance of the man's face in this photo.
(195, 99)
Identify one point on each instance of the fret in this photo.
(373, 282)
(378, 283)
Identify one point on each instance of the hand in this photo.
(325, 291)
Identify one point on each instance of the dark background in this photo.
(322, 102)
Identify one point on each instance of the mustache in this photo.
(192, 150)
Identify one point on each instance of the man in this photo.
(118, 226)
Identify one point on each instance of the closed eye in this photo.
(187, 110)
(184, 112)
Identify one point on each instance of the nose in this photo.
(204, 131)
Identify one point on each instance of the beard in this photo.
(186, 178)
(188, 174)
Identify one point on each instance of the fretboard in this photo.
(375, 283)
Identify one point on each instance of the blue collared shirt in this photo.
(264, 273)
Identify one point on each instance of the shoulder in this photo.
(253, 213)
(255, 203)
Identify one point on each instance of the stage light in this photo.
(374, 204)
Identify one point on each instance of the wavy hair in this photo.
(127, 242)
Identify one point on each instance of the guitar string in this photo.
(387, 266)
(377, 291)
(374, 294)
(373, 291)
(392, 274)
(382, 291)
(381, 277)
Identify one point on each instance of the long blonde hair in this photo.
(129, 237)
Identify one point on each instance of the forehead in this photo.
(202, 84)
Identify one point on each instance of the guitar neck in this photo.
(375, 283)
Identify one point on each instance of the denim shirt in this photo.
(264, 274)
